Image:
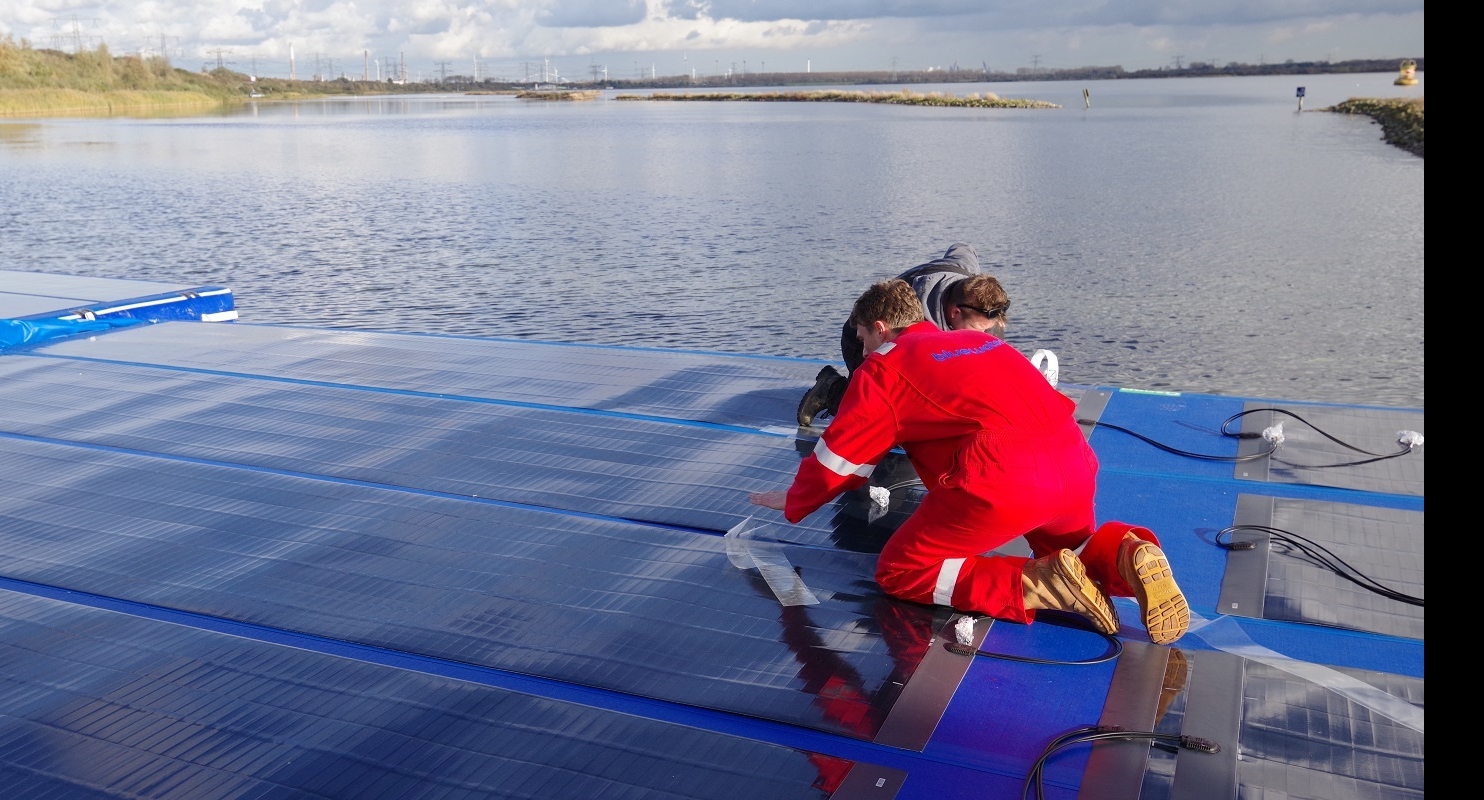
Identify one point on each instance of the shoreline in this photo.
(1400, 119)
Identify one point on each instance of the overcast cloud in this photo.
(627, 38)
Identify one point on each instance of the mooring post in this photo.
(1301, 98)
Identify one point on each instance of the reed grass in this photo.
(904, 97)
(44, 102)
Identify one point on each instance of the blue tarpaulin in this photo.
(17, 332)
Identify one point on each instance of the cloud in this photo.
(830, 34)
(591, 13)
(1038, 13)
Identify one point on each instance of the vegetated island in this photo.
(905, 97)
(559, 94)
(1400, 119)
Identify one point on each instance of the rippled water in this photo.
(1182, 234)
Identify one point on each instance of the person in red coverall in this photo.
(1001, 456)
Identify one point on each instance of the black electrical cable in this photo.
(1317, 429)
(1320, 555)
(1376, 456)
(1115, 649)
(1177, 451)
(1249, 435)
(1105, 732)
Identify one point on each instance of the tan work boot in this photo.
(1059, 582)
(1144, 567)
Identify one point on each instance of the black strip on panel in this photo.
(1091, 403)
(870, 782)
(919, 708)
(1115, 770)
(1244, 585)
(1213, 711)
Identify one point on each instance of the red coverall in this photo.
(999, 452)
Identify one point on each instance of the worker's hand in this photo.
(773, 500)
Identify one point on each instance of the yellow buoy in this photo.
(1408, 76)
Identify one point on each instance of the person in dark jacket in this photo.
(939, 285)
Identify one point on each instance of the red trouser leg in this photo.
(1000, 488)
(1100, 556)
(935, 557)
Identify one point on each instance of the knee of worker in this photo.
(908, 583)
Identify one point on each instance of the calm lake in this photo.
(1197, 234)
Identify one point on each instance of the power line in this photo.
(220, 64)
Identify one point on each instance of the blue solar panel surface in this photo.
(136, 707)
(554, 512)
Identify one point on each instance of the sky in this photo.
(623, 39)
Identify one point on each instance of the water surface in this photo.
(1195, 234)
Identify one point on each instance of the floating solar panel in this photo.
(99, 703)
(695, 476)
(632, 608)
(1284, 733)
(1346, 448)
(713, 387)
(1287, 578)
(26, 293)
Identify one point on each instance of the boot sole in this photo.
(1166, 614)
(1097, 608)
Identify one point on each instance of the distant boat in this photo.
(1408, 76)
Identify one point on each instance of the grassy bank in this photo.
(52, 83)
(66, 102)
(905, 97)
(40, 82)
(1400, 119)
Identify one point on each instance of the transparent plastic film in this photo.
(1226, 635)
(768, 559)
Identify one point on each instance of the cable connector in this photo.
(963, 630)
(880, 500)
(1199, 744)
(1248, 545)
(1274, 434)
(1412, 439)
